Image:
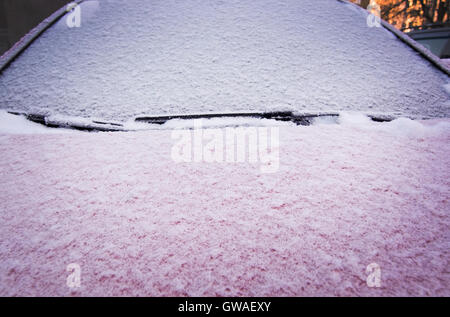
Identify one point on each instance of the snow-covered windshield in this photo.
(139, 57)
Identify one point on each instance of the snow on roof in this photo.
(140, 57)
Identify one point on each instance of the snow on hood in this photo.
(140, 57)
(137, 223)
(400, 126)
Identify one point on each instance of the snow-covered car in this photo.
(237, 148)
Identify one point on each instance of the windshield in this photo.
(138, 58)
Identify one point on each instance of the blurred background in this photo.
(427, 21)
(408, 15)
(17, 17)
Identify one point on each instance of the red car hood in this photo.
(138, 223)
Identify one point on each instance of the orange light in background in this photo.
(408, 14)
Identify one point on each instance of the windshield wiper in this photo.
(85, 124)
(72, 123)
(297, 118)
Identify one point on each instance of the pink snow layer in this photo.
(137, 223)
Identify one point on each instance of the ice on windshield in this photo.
(138, 57)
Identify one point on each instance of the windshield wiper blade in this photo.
(95, 125)
(72, 123)
(303, 119)
(297, 118)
